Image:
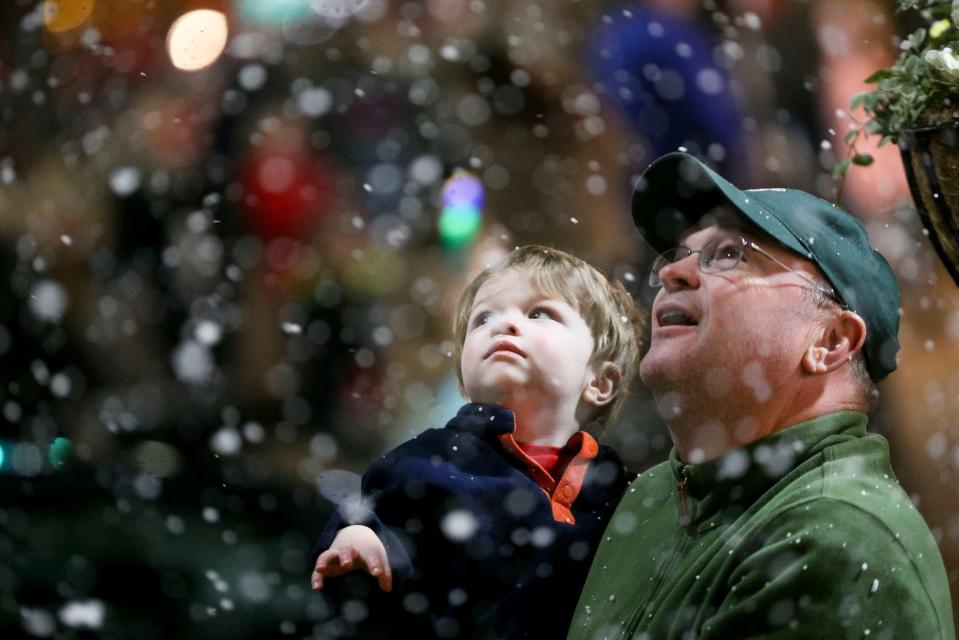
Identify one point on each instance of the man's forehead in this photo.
(728, 219)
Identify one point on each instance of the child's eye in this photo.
(481, 319)
(540, 312)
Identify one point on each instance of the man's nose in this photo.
(681, 274)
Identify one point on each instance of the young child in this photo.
(486, 528)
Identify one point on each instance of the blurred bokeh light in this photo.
(63, 15)
(196, 39)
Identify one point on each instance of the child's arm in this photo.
(354, 547)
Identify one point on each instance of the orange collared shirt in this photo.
(562, 492)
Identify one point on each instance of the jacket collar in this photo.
(491, 419)
(734, 480)
(483, 419)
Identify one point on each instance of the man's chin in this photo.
(650, 365)
(661, 372)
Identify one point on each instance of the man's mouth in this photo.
(504, 345)
(671, 315)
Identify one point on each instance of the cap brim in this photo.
(677, 190)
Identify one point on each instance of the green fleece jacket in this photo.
(805, 534)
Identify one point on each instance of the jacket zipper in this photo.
(685, 510)
(686, 513)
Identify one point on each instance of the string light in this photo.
(461, 218)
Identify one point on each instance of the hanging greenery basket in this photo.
(931, 158)
(915, 103)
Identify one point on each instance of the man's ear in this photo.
(604, 382)
(838, 339)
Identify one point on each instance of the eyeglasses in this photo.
(723, 254)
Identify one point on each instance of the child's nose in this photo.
(507, 323)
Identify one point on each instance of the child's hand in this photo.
(354, 547)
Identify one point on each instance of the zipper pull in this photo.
(685, 512)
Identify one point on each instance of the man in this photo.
(777, 515)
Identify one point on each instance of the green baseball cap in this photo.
(678, 189)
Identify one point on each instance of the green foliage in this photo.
(907, 94)
(923, 5)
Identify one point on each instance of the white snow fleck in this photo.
(48, 300)
(473, 110)
(253, 432)
(337, 9)
(449, 52)
(755, 378)
(193, 362)
(418, 54)
(459, 525)
(7, 172)
(710, 81)
(37, 622)
(252, 77)
(936, 445)
(175, 525)
(83, 613)
(314, 101)
(254, 587)
(292, 328)
(542, 537)
(385, 178)
(752, 21)
(338, 485)
(60, 385)
(208, 332)
(426, 169)
(596, 185)
(125, 180)
(226, 441)
(734, 464)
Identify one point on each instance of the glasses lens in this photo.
(666, 257)
(722, 254)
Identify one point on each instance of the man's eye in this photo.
(727, 251)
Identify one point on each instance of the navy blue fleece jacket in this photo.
(473, 545)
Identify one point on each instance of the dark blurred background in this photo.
(232, 233)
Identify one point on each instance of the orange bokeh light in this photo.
(64, 15)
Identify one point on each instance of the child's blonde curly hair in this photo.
(609, 311)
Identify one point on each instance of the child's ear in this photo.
(603, 384)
